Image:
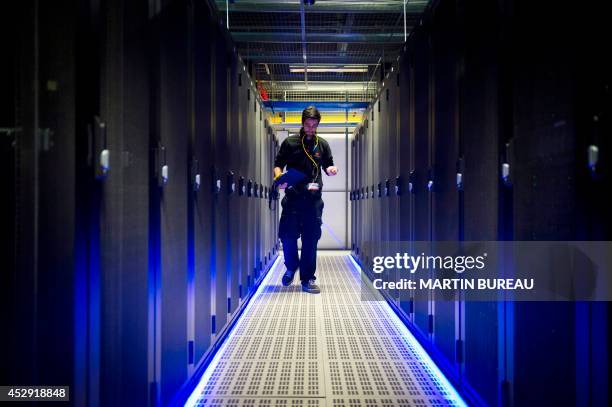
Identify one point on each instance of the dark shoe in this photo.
(288, 277)
(310, 287)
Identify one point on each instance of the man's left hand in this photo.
(331, 171)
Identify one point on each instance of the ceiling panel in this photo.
(268, 33)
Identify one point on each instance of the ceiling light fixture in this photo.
(320, 69)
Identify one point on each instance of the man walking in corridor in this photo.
(302, 204)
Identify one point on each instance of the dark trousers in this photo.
(301, 218)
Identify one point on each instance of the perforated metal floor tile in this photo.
(292, 348)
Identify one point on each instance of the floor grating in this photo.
(292, 348)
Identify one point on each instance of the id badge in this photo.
(313, 186)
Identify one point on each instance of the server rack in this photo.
(521, 171)
(117, 209)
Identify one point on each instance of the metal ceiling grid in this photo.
(326, 53)
(354, 23)
(276, 92)
(268, 34)
(313, 76)
(323, 6)
(264, 22)
(349, 96)
(278, 73)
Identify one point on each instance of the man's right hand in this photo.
(282, 186)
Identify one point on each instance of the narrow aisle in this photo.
(333, 349)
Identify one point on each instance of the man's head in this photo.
(310, 120)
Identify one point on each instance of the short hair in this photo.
(311, 112)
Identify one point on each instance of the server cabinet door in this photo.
(235, 254)
(8, 182)
(377, 222)
(172, 166)
(406, 165)
(389, 194)
(243, 154)
(46, 219)
(445, 145)
(368, 220)
(482, 325)
(203, 220)
(125, 108)
(258, 206)
(593, 121)
(221, 152)
(252, 160)
(381, 161)
(422, 154)
(352, 196)
(554, 136)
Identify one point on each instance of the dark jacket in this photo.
(291, 154)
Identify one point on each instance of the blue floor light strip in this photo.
(452, 395)
(197, 392)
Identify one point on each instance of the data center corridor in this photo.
(345, 347)
(140, 212)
